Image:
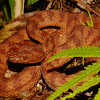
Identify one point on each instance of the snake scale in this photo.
(55, 31)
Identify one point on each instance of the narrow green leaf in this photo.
(30, 2)
(1, 20)
(97, 96)
(78, 52)
(6, 12)
(91, 23)
(11, 3)
(90, 70)
(91, 82)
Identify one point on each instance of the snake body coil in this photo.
(55, 31)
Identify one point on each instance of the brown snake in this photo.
(69, 33)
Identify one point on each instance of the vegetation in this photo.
(14, 5)
(91, 21)
(89, 70)
(73, 52)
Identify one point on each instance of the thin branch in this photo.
(89, 8)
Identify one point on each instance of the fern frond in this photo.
(78, 52)
(91, 82)
(97, 96)
(90, 70)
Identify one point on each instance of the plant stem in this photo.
(18, 7)
(89, 8)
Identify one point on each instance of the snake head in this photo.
(26, 52)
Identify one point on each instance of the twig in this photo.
(89, 8)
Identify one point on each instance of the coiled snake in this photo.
(55, 31)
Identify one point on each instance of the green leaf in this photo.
(30, 2)
(90, 70)
(91, 23)
(6, 12)
(78, 52)
(91, 82)
(1, 20)
(97, 96)
(11, 3)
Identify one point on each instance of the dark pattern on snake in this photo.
(69, 33)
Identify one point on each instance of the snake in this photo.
(43, 35)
